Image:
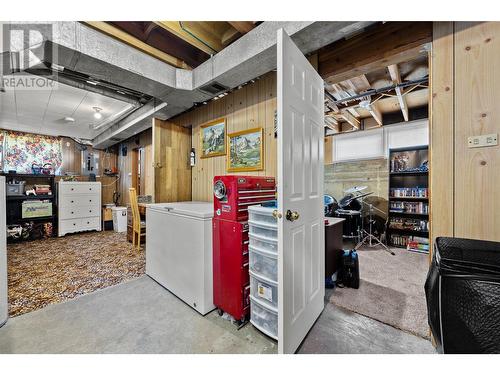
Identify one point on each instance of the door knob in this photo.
(292, 216)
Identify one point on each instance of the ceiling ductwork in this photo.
(75, 47)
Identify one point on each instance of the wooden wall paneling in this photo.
(219, 163)
(271, 105)
(477, 83)
(134, 168)
(125, 165)
(328, 157)
(147, 173)
(72, 158)
(441, 123)
(109, 184)
(172, 144)
(251, 106)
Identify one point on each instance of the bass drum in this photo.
(352, 223)
(348, 202)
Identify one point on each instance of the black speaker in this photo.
(463, 296)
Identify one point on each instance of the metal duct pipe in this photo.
(115, 118)
(96, 89)
(375, 91)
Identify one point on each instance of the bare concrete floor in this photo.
(140, 316)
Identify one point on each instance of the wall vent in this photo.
(213, 88)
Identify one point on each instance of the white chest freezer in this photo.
(179, 250)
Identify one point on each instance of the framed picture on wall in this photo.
(213, 138)
(246, 151)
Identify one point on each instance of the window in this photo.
(375, 143)
(21, 151)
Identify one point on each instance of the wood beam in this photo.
(242, 26)
(332, 119)
(353, 111)
(229, 36)
(132, 41)
(202, 40)
(376, 48)
(376, 114)
(396, 79)
(353, 121)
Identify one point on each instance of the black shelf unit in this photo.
(413, 189)
(14, 202)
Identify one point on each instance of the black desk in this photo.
(333, 244)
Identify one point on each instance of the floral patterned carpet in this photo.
(50, 271)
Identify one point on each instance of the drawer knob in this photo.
(72, 212)
(90, 210)
(72, 189)
(74, 223)
(72, 201)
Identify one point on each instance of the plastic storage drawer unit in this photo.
(264, 230)
(264, 263)
(265, 243)
(264, 318)
(261, 215)
(264, 289)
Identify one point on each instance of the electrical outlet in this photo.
(485, 140)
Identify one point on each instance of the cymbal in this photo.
(363, 195)
(355, 189)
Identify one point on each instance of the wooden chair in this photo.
(138, 226)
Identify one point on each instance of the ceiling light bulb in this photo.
(97, 114)
(365, 104)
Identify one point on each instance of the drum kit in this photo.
(350, 208)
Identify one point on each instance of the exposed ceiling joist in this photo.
(376, 114)
(242, 26)
(332, 123)
(132, 41)
(194, 34)
(353, 111)
(229, 36)
(396, 79)
(353, 121)
(385, 44)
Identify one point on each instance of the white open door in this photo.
(301, 232)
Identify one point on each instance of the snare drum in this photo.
(352, 222)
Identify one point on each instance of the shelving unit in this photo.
(408, 224)
(14, 202)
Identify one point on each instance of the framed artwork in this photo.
(246, 151)
(213, 138)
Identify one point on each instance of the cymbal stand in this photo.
(368, 237)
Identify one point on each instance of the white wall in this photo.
(375, 143)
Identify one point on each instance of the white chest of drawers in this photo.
(79, 207)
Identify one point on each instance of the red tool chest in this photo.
(232, 196)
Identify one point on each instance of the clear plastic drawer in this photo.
(264, 318)
(264, 263)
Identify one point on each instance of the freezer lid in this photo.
(202, 210)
